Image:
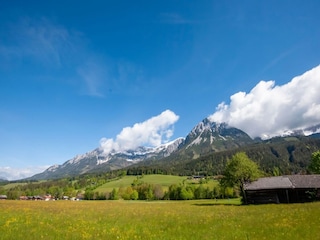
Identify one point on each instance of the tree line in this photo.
(145, 191)
(238, 170)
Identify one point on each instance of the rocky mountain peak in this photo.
(216, 135)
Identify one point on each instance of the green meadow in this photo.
(201, 219)
(164, 180)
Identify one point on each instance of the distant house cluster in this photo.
(49, 197)
(283, 189)
(46, 197)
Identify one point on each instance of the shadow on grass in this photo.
(216, 204)
(219, 202)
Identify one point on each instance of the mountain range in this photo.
(205, 138)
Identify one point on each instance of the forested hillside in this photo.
(289, 155)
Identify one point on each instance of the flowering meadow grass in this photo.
(157, 220)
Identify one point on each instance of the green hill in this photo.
(164, 180)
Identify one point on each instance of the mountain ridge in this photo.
(206, 137)
(97, 159)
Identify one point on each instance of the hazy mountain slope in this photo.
(97, 160)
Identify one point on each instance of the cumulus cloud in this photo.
(269, 110)
(151, 132)
(9, 173)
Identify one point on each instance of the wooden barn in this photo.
(283, 189)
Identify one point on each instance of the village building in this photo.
(3, 197)
(47, 197)
(283, 189)
(23, 198)
(65, 198)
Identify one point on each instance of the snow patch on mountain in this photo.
(53, 168)
(212, 138)
(311, 130)
(170, 146)
(197, 141)
(104, 160)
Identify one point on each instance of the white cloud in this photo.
(151, 132)
(269, 110)
(10, 173)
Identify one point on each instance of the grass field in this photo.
(207, 219)
(12, 185)
(164, 180)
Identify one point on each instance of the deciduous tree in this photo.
(240, 170)
(314, 166)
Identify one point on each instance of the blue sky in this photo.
(73, 73)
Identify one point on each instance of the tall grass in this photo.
(156, 220)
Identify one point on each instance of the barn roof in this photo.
(285, 182)
(305, 181)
